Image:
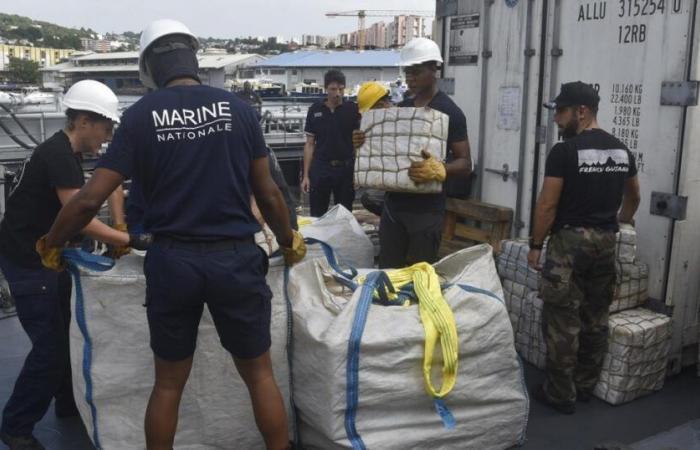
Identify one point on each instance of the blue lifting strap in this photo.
(75, 259)
(345, 278)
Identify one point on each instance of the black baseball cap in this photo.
(575, 93)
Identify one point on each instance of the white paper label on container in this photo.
(509, 108)
(464, 40)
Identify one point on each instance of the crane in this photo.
(362, 13)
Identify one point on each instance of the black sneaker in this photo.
(541, 397)
(21, 442)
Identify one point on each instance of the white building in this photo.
(120, 70)
(292, 69)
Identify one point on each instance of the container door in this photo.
(493, 52)
(459, 31)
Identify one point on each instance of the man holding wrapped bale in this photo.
(411, 225)
(587, 178)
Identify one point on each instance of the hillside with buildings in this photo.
(20, 30)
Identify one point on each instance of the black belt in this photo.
(338, 162)
(192, 244)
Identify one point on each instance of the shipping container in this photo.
(504, 58)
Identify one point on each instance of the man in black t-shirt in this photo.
(48, 179)
(411, 225)
(328, 153)
(587, 178)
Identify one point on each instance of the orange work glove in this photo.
(116, 252)
(430, 169)
(51, 257)
(296, 252)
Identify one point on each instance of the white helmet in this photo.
(154, 31)
(420, 50)
(91, 95)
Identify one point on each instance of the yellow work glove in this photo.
(430, 169)
(116, 252)
(296, 252)
(51, 257)
(358, 138)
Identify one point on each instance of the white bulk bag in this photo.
(394, 138)
(215, 411)
(488, 402)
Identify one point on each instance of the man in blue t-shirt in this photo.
(197, 154)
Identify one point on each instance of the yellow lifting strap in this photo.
(303, 221)
(438, 322)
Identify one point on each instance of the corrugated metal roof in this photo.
(56, 67)
(218, 61)
(112, 68)
(206, 61)
(113, 55)
(332, 58)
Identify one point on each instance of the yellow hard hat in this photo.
(369, 94)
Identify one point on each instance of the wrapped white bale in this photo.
(215, 411)
(394, 138)
(488, 402)
(632, 278)
(529, 339)
(626, 244)
(635, 364)
(514, 295)
(512, 263)
(631, 287)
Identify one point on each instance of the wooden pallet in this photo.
(468, 222)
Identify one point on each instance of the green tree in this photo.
(23, 70)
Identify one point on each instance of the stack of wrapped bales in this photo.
(639, 339)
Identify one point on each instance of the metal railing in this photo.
(282, 125)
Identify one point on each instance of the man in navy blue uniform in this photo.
(328, 153)
(197, 154)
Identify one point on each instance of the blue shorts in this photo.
(229, 276)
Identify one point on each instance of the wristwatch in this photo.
(534, 246)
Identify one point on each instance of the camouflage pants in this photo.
(578, 282)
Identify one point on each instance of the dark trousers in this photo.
(406, 238)
(330, 177)
(43, 308)
(578, 282)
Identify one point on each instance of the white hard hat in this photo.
(91, 95)
(420, 50)
(154, 31)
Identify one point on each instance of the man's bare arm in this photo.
(82, 207)
(630, 200)
(461, 165)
